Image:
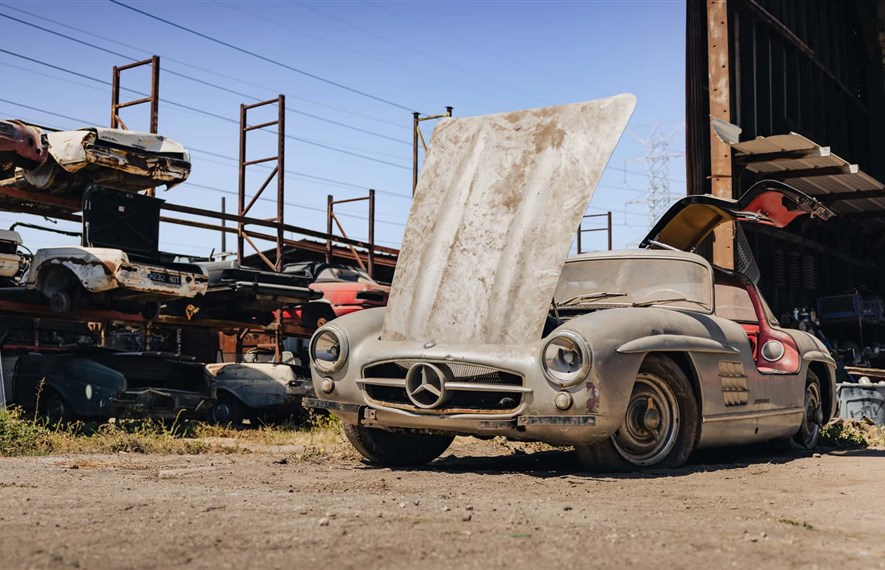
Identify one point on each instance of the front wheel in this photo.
(809, 431)
(228, 411)
(396, 448)
(660, 425)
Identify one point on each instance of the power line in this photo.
(228, 77)
(262, 57)
(430, 56)
(198, 111)
(201, 81)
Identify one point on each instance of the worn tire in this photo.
(150, 310)
(396, 448)
(55, 409)
(809, 432)
(228, 411)
(681, 439)
(61, 301)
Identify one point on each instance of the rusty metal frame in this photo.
(607, 228)
(418, 136)
(153, 99)
(331, 218)
(244, 206)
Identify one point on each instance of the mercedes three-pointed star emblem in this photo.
(426, 385)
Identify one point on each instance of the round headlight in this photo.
(566, 359)
(328, 350)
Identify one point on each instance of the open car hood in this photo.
(691, 219)
(494, 215)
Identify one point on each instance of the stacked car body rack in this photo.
(17, 196)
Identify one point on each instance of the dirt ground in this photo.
(483, 505)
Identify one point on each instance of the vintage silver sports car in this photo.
(642, 357)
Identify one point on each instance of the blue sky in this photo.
(479, 57)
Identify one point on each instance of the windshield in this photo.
(640, 280)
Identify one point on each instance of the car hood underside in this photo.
(494, 215)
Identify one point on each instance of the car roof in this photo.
(641, 253)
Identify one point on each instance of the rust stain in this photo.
(548, 136)
(592, 398)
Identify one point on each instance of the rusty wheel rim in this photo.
(810, 426)
(651, 422)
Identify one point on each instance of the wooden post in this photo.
(720, 108)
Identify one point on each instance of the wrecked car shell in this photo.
(21, 145)
(11, 261)
(101, 384)
(260, 389)
(62, 273)
(125, 160)
(237, 292)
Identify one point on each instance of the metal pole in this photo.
(579, 235)
(281, 194)
(371, 233)
(155, 93)
(329, 204)
(223, 225)
(241, 190)
(115, 96)
(415, 122)
(609, 217)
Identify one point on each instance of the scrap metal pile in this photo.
(119, 269)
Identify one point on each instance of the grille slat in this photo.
(501, 390)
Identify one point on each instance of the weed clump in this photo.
(20, 436)
(852, 434)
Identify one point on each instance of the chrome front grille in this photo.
(465, 388)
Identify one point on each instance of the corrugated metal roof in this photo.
(813, 169)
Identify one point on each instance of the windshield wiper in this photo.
(671, 300)
(578, 299)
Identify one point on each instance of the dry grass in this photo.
(852, 434)
(21, 436)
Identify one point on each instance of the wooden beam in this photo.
(720, 108)
(853, 195)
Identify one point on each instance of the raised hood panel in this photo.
(494, 215)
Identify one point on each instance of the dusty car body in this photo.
(12, 262)
(642, 356)
(347, 288)
(258, 390)
(235, 292)
(125, 160)
(21, 145)
(74, 276)
(102, 384)
(118, 265)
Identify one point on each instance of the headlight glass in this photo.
(566, 359)
(328, 350)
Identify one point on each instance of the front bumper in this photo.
(529, 412)
(160, 281)
(161, 404)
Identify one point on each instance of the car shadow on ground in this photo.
(564, 462)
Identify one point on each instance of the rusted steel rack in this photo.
(244, 236)
(153, 99)
(369, 267)
(607, 228)
(42, 311)
(418, 137)
(14, 199)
